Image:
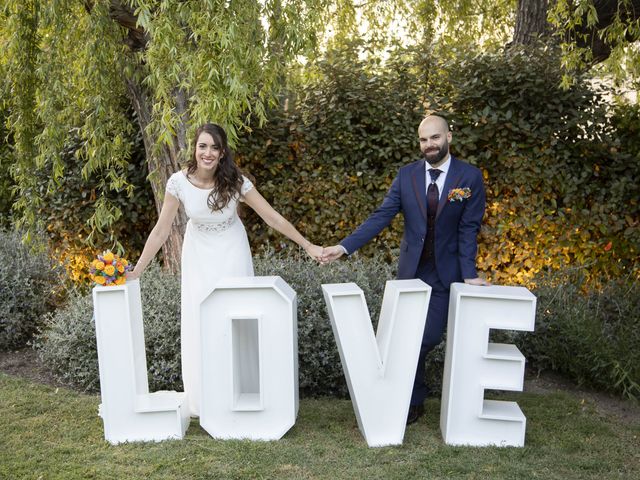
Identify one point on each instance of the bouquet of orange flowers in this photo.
(109, 269)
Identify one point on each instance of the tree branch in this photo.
(531, 24)
(607, 11)
(125, 17)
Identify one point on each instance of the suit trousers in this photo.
(434, 328)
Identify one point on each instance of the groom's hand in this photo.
(329, 254)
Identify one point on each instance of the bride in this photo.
(215, 241)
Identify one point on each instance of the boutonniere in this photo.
(459, 194)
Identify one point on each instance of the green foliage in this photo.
(82, 67)
(161, 313)
(28, 288)
(383, 24)
(66, 77)
(228, 58)
(20, 37)
(562, 181)
(70, 204)
(67, 343)
(592, 338)
(580, 26)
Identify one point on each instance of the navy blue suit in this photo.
(457, 225)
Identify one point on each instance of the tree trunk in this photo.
(607, 11)
(531, 22)
(161, 166)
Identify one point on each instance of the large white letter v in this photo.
(379, 368)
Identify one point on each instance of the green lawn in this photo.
(53, 433)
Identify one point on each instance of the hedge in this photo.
(561, 167)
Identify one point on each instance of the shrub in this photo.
(28, 288)
(592, 338)
(68, 347)
(318, 358)
(67, 344)
(161, 312)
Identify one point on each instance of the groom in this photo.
(443, 203)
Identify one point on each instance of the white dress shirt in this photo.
(444, 168)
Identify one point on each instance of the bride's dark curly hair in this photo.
(227, 176)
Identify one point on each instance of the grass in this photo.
(53, 433)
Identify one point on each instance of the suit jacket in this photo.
(456, 227)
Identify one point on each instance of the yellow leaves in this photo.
(75, 262)
(513, 252)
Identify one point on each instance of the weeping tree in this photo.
(78, 72)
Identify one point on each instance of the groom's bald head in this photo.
(435, 121)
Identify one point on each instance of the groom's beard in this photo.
(434, 155)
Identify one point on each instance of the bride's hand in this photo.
(133, 275)
(314, 251)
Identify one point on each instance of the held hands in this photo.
(314, 251)
(330, 254)
(324, 255)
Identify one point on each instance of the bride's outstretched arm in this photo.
(158, 235)
(279, 223)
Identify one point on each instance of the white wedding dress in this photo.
(215, 246)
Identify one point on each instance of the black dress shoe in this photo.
(415, 412)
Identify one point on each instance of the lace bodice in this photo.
(194, 200)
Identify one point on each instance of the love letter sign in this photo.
(250, 362)
(379, 368)
(472, 364)
(249, 359)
